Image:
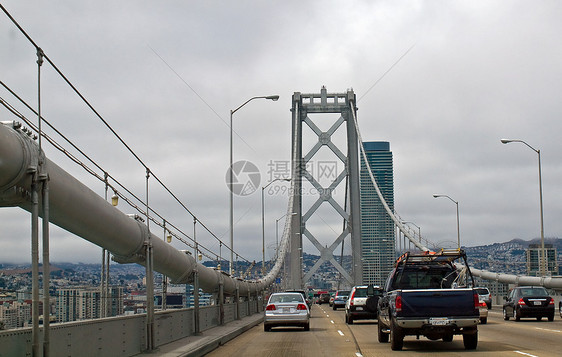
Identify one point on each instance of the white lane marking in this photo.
(332, 321)
(358, 354)
(341, 333)
(525, 354)
(547, 329)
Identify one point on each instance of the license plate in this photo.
(439, 321)
(359, 308)
(537, 303)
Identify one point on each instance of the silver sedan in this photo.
(286, 309)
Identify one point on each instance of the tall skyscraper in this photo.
(377, 228)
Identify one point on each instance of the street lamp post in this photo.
(542, 255)
(263, 220)
(231, 178)
(458, 225)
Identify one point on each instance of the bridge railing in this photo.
(122, 335)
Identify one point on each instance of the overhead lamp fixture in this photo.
(114, 199)
(169, 237)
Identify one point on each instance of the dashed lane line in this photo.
(547, 329)
(525, 354)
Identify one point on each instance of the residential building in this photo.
(15, 314)
(533, 254)
(80, 303)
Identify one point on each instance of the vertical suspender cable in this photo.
(103, 252)
(43, 177)
(149, 277)
(195, 284)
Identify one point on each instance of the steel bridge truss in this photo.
(303, 105)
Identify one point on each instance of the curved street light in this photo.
(231, 178)
(542, 256)
(458, 225)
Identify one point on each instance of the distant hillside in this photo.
(507, 257)
(556, 242)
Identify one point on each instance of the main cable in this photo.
(38, 49)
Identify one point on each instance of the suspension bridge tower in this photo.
(315, 110)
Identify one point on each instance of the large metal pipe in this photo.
(77, 209)
(551, 282)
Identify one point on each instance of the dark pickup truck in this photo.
(425, 295)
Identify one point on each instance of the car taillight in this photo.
(398, 303)
(351, 298)
(521, 302)
(270, 307)
(301, 307)
(482, 304)
(476, 300)
(551, 301)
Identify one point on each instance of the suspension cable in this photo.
(131, 151)
(377, 189)
(73, 158)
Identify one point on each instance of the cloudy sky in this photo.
(165, 75)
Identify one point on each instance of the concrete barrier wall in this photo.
(117, 336)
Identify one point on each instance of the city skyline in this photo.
(443, 81)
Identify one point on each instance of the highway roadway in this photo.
(330, 336)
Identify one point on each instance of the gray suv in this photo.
(362, 303)
(484, 295)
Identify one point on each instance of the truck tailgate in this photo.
(438, 303)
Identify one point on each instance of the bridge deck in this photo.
(330, 336)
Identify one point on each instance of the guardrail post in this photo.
(249, 304)
(34, 266)
(46, 269)
(237, 301)
(196, 310)
(221, 302)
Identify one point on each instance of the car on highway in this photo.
(528, 301)
(483, 309)
(484, 294)
(286, 309)
(323, 298)
(362, 303)
(304, 294)
(340, 298)
(331, 302)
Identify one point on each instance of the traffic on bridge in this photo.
(347, 275)
(329, 335)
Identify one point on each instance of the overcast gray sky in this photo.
(165, 75)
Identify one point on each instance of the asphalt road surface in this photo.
(329, 335)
